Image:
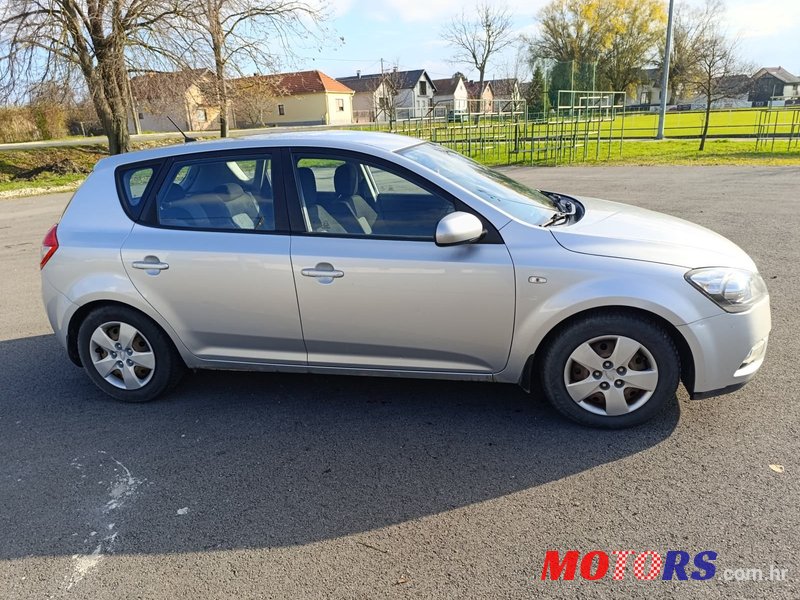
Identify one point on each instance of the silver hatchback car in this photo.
(375, 254)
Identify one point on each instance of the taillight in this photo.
(49, 245)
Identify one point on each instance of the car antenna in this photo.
(186, 138)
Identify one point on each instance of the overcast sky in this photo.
(407, 32)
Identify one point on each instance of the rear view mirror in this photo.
(459, 228)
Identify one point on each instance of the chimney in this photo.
(358, 73)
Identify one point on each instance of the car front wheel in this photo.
(611, 370)
(127, 355)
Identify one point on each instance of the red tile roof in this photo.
(301, 82)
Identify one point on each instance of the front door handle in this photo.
(150, 263)
(323, 271)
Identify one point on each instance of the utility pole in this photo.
(662, 114)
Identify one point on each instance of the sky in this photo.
(407, 32)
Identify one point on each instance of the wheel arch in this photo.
(528, 382)
(86, 309)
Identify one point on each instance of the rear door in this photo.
(211, 255)
(380, 293)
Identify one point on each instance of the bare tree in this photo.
(41, 37)
(223, 35)
(721, 73)
(689, 29)
(256, 97)
(477, 36)
(385, 88)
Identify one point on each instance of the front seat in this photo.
(319, 218)
(245, 211)
(355, 213)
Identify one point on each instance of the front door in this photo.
(373, 288)
(213, 260)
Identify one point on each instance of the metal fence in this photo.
(584, 126)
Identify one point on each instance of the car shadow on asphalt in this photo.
(252, 460)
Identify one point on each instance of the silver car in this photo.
(375, 254)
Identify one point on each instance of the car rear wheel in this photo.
(127, 355)
(611, 370)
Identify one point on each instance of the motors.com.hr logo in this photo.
(646, 566)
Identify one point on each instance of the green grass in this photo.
(57, 168)
(717, 152)
(667, 152)
(722, 123)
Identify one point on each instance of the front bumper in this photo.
(728, 349)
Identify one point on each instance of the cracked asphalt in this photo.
(245, 485)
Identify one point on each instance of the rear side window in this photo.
(134, 182)
(225, 193)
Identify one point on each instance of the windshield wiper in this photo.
(556, 217)
(566, 209)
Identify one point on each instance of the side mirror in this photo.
(459, 228)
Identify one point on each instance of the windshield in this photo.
(517, 200)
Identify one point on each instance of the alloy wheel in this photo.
(611, 375)
(122, 355)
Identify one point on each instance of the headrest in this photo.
(232, 190)
(174, 192)
(308, 184)
(345, 180)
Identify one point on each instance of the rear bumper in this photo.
(59, 310)
(728, 349)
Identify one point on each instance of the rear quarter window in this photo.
(132, 185)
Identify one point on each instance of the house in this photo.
(300, 98)
(451, 93)
(648, 90)
(407, 94)
(480, 100)
(734, 90)
(372, 99)
(772, 82)
(507, 95)
(187, 97)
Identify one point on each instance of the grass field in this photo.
(721, 123)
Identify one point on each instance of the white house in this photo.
(409, 94)
(451, 93)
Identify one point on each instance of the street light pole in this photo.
(662, 114)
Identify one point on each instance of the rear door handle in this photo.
(150, 263)
(312, 272)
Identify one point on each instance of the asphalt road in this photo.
(290, 486)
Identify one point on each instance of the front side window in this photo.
(516, 200)
(281, 109)
(340, 105)
(230, 194)
(355, 197)
(423, 88)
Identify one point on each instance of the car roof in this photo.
(335, 139)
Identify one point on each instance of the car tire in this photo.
(611, 370)
(127, 355)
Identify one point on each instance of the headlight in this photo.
(733, 290)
